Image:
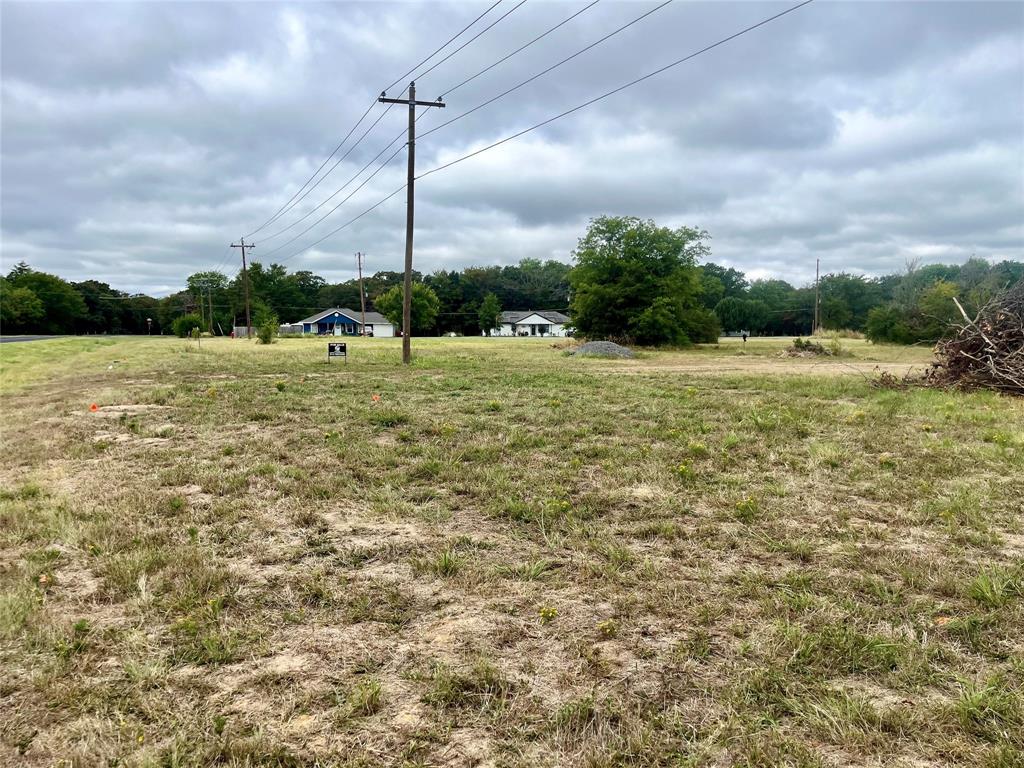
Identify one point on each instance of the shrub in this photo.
(183, 325)
(267, 331)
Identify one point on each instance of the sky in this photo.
(140, 139)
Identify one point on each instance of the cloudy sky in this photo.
(139, 139)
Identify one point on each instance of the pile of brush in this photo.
(988, 351)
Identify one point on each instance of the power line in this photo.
(446, 44)
(296, 199)
(337, 162)
(612, 92)
(281, 210)
(543, 72)
(503, 59)
(501, 18)
(479, 106)
(351, 221)
(346, 199)
(313, 210)
(549, 120)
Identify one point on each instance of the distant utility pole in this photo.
(817, 296)
(409, 219)
(209, 296)
(362, 295)
(245, 279)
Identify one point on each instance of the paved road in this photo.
(6, 339)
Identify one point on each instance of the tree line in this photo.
(631, 280)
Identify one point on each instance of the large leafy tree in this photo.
(742, 314)
(636, 280)
(19, 307)
(489, 314)
(212, 288)
(425, 307)
(63, 307)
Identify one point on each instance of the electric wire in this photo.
(543, 72)
(290, 203)
(495, 98)
(448, 91)
(336, 207)
(614, 91)
(501, 18)
(549, 120)
(449, 42)
(326, 200)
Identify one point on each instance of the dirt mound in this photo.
(603, 349)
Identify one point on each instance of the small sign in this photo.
(337, 349)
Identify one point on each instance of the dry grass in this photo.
(512, 558)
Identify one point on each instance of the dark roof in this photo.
(550, 315)
(372, 318)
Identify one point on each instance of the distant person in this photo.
(744, 335)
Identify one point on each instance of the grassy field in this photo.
(504, 556)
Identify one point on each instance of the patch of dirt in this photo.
(117, 411)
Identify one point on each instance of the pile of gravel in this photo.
(603, 349)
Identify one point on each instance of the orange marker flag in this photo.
(94, 407)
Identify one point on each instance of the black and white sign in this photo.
(337, 349)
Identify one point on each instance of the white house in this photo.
(346, 322)
(532, 323)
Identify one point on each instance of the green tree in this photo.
(63, 307)
(937, 310)
(19, 307)
(183, 325)
(208, 288)
(637, 280)
(734, 283)
(425, 307)
(489, 313)
(742, 314)
(889, 324)
(732, 314)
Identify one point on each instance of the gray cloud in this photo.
(139, 139)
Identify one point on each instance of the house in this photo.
(345, 322)
(532, 323)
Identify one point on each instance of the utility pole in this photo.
(409, 218)
(209, 295)
(362, 295)
(817, 296)
(245, 279)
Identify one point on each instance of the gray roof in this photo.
(372, 318)
(548, 314)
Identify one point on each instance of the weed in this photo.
(389, 417)
(365, 698)
(531, 570)
(446, 563)
(993, 588)
(747, 509)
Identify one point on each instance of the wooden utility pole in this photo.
(409, 218)
(209, 295)
(817, 296)
(362, 294)
(245, 279)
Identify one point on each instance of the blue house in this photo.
(346, 322)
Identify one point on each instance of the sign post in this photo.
(337, 349)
